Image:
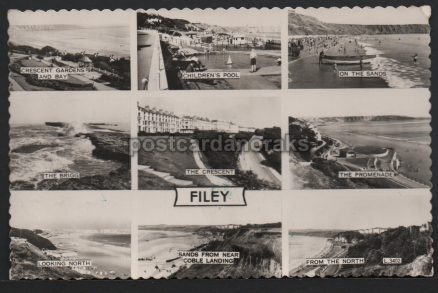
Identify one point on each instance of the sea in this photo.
(108, 260)
(395, 55)
(106, 41)
(38, 149)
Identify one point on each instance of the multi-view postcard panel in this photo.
(202, 141)
(353, 233)
(313, 179)
(70, 235)
(209, 242)
(203, 50)
(359, 47)
(379, 141)
(69, 51)
(73, 142)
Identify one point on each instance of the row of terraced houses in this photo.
(153, 120)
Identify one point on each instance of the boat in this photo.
(340, 59)
(229, 61)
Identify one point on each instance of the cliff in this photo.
(260, 256)
(307, 25)
(315, 233)
(405, 242)
(32, 237)
(24, 257)
(410, 244)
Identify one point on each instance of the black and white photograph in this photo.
(381, 47)
(69, 143)
(209, 49)
(209, 242)
(201, 140)
(69, 50)
(70, 235)
(355, 140)
(191, 143)
(358, 234)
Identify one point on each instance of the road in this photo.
(251, 160)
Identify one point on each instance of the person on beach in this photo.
(252, 57)
(415, 59)
(321, 56)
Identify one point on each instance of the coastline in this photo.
(49, 32)
(393, 56)
(104, 72)
(112, 146)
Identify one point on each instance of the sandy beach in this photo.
(109, 252)
(158, 251)
(394, 56)
(303, 247)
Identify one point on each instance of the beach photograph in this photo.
(209, 49)
(73, 143)
(357, 234)
(202, 141)
(381, 47)
(83, 50)
(378, 141)
(209, 242)
(70, 235)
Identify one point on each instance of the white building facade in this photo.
(153, 120)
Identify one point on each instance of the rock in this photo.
(119, 179)
(21, 185)
(30, 148)
(110, 146)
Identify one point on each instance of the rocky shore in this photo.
(27, 248)
(112, 146)
(119, 179)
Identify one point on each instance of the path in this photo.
(252, 161)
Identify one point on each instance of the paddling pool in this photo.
(240, 60)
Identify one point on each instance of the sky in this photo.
(229, 17)
(243, 110)
(262, 208)
(377, 15)
(75, 17)
(352, 210)
(372, 102)
(68, 107)
(70, 210)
